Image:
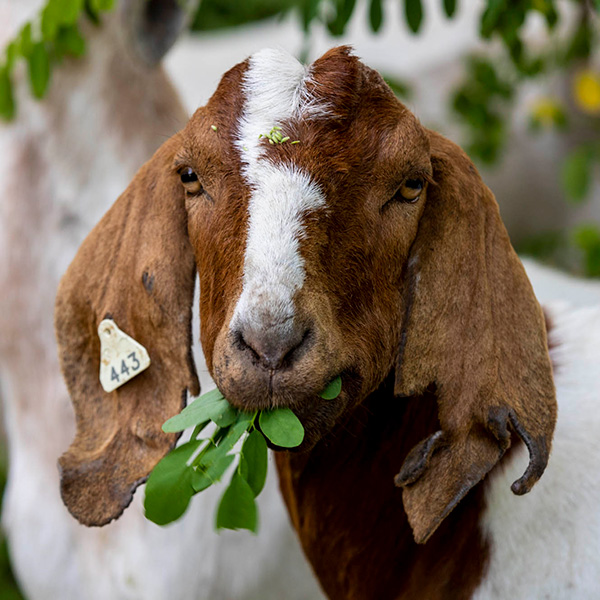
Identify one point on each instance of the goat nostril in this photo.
(242, 344)
(272, 349)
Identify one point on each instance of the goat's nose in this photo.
(273, 347)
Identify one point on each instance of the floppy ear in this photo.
(474, 329)
(137, 268)
(153, 26)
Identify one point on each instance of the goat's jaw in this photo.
(250, 386)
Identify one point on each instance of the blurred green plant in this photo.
(43, 43)
(220, 14)
(587, 239)
(482, 103)
(9, 589)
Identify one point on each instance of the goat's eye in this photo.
(190, 181)
(410, 190)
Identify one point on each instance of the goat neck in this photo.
(363, 548)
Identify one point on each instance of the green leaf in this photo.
(376, 15)
(333, 389)
(7, 101)
(210, 468)
(226, 417)
(227, 438)
(51, 19)
(400, 88)
(254, 459)
(198, 429)
(102, 5)
(235, 432)
(211, 405)
(91, 12)
(39, 70)
(492, 14)
(237, 509)
(344, 10)
(12, 50)
(582, 42)
(587, 237)
(25, 41)
(69, 41)
(449, 8)
(69, 11)
(577, 174)
(414, 14)
(282, 427)
(308, 10)
(169, 487)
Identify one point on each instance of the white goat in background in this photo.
(62, 162)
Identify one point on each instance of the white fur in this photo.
(547, 544)
(281, 195)
(551, 285)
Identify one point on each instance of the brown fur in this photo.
(118, 438)
(430, 292)
(474, 328)
(347, 511)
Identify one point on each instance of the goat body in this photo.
(370, 249)
(494, 545)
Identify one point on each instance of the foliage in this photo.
(587, 239)
(44, 43)
(482, 103)
(219, 14)
(578, 169)
(203, 461)
(8, 586)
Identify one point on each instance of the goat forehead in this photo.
(274, 89)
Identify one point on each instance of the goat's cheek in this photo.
(219, 264)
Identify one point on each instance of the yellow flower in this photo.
(547, 112)
(586, 88)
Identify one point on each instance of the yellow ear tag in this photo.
(121, 357)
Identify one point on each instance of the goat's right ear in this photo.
(136, 267)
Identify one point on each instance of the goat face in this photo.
(301, 247)
(370, 246)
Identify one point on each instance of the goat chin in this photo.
(49, 201)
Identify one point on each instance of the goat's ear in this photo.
(153, 26)
(473, 328)
(137, 268)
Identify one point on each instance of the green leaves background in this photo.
(43, 44)
(481, 104)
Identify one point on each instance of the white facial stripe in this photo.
(273, 266)
(275, 89)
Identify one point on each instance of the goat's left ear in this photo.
(473, 328)
(137, 268)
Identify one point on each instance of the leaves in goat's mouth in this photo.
(203, 461)
(333, 390)
(282, 427)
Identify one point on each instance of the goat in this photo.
(351, 241)
(61, 164)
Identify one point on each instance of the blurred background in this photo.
(515, 82)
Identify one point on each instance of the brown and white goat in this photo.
(370, 249)
(62, 162)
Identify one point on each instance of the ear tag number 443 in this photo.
(121, 357)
